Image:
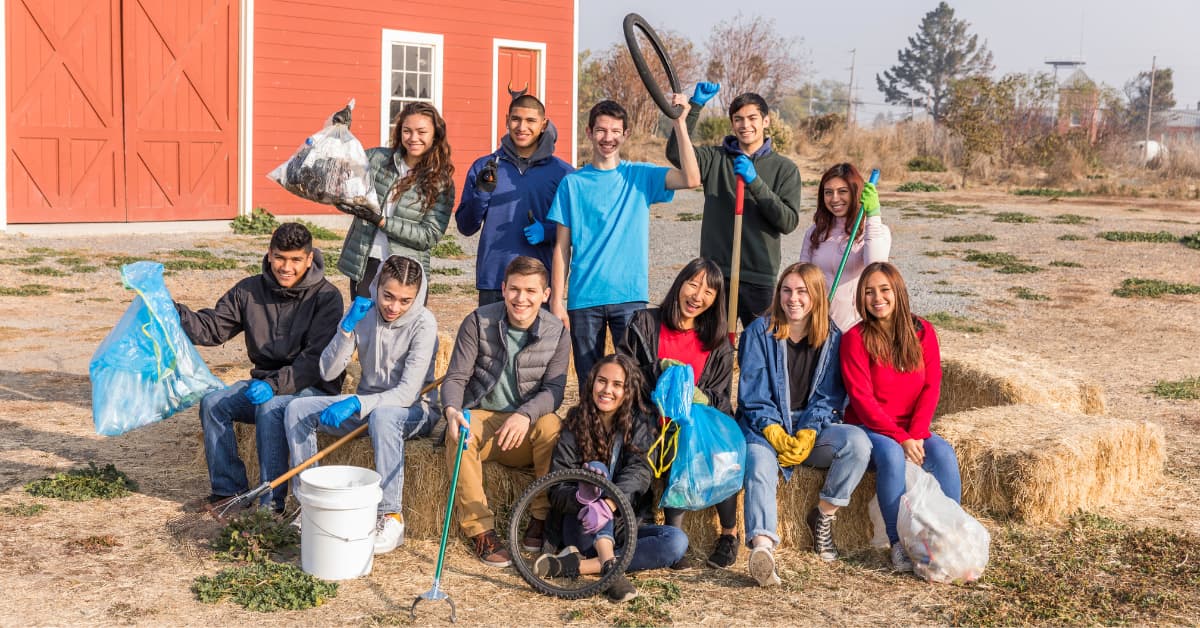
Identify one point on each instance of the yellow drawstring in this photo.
(668, 448)
(158, 355)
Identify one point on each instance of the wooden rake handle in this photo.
(358, 431)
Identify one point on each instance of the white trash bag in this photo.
(329, 167)
(944, 542)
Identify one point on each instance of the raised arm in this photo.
(687, 175)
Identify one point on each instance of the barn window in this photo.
(412, 72)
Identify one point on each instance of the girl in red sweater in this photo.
(892, 370)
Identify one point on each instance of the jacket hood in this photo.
(732, 147)
(418, 305)
(311, 279)
(543, 151)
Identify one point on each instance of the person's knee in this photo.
(546, 427)
(858, 447)
(675, 544)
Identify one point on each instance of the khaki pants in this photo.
(474, 516)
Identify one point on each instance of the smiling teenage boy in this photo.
(772, 201)
(603, 242)
(509, 367)
(508, 193)
(288, 313)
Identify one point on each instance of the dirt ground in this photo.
(45, 420)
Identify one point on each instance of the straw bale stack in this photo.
(1039, 463)
(995, 377)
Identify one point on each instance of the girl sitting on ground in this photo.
(413, 179)
(689, 327)
(790, 402)
(843, 194)
(610, 432)
(892, 368)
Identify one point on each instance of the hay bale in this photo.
(1036, 463)
(995, 377)
(852, 529)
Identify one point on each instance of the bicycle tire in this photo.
(628, 534)
(633, 23)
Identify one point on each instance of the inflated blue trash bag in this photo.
(146, 369)
(711, 460)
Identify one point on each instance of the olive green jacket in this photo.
(410, 231)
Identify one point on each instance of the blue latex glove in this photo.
(744, 168)
(588, 493)
(358, 309)
(705, 92)
(334, 415)
(259, 392)
(535, 233)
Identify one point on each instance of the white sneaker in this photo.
(900, 560)
(388, 535)
(762, 566)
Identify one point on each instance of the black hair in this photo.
(749, 98)
(610, 108)
(291, 236)
(711, 326)
(405, 270)
(528, 102)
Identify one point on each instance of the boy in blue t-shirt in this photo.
(603, 216)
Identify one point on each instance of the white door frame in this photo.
(497, 44)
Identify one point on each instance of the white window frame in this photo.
(497, 44)
(389, 38)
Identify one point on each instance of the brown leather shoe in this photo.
(490, 551)
(535, 535)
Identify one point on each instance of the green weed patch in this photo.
(321, 233)
(453, 272)
(1005, 263)
(448, 248)
(946, 320)
(253, 536)
(45, 271)
(689, 217)
(918, 186)
(935, 253)
(82, 484)
(259, 222)
(1071, 219)
(1066, 264)
(652, 606)
(440, 288)
(26, 290)
(25, 260)
(922, 163)
(1095, 572)
(265, 587)
(1188, 388)
(1071, 237)
(1025, 293)
(1159, 237)
(1191, 241)
(1015, 218)
(971, 237)
(1050, 192)
(1153, 288)
(23, 509)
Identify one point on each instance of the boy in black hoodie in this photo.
(288, 313)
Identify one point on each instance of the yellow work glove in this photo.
(778, 437)
(801, 447)
(698, 396)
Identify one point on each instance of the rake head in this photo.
(436, 594)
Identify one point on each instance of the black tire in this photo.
(633, 23)
(626, 534)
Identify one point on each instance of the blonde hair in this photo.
(818, 317)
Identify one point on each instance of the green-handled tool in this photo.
(853, 234)
(436, 593)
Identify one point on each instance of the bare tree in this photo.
(612, 75)
(746, 54)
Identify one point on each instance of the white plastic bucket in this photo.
(337, 531)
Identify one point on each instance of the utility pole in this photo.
(1150, 106)
(850, 92)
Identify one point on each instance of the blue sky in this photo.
(1117, 38)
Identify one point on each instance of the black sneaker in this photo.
(684, 564)
(564, 564)
(725, 554)
(620, 589)
(821, 526)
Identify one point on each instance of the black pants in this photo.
(363, 288)
(753, 301)
(726, 512)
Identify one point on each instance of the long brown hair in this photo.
(897, 345)
(823, 218)
(434, 173)
(711, 327)
(818, 317)
(593, 439)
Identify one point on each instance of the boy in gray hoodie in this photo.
(396, 338)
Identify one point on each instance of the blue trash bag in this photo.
(146, 369)
(711, 460)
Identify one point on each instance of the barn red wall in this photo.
(310, 58)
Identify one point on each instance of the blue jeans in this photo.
(843, 449)
(657, 546)
(888, 459)
(389, 428)
(587, 333)
(226, 472)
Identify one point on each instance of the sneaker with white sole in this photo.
(564, 564)
(762, 566)
(900, 560)
(389, 534)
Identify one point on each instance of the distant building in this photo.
(1078, 105)
(1178, 126)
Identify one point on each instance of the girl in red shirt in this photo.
(892, 370)
(689, 327)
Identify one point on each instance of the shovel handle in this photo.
(735, 266)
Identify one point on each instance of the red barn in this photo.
(146, 110)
